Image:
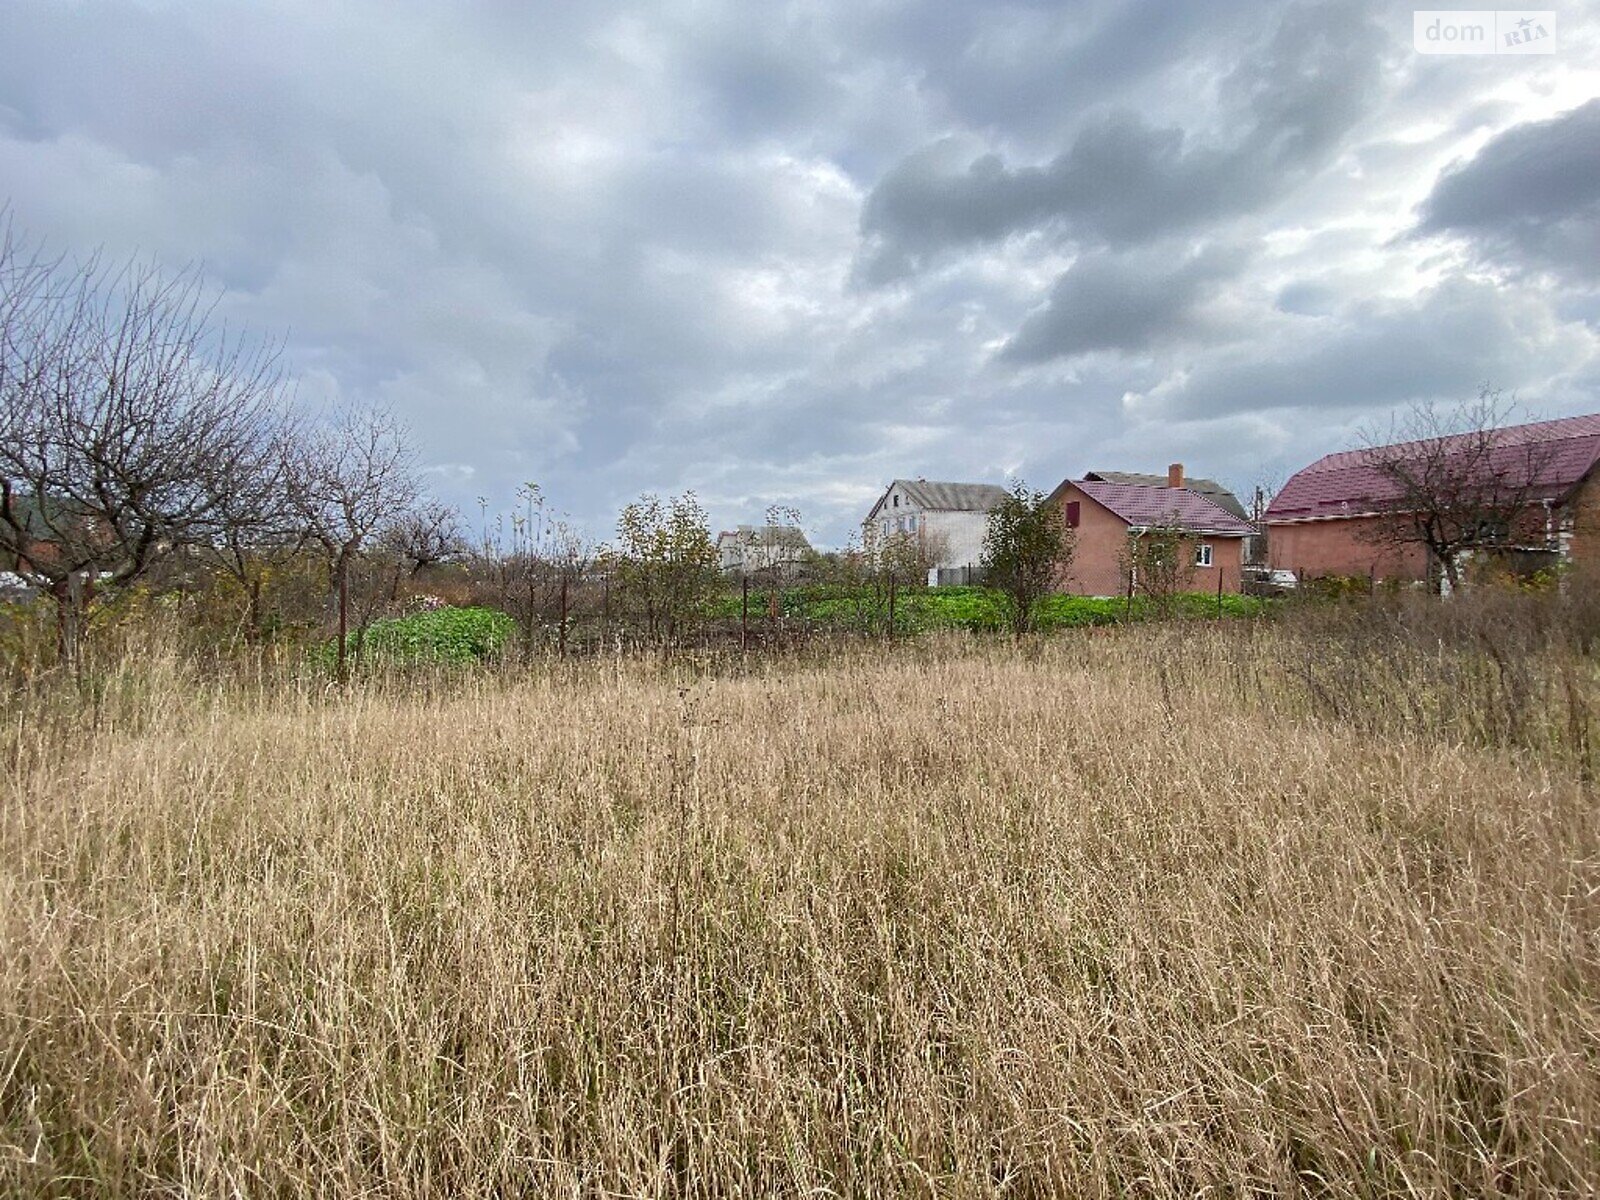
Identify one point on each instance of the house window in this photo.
(897, 501)
(1202, 554)
(911, 524)
(886, 527)
(1074, 514)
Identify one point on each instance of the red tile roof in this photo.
(1346, 484)
(1142, 505)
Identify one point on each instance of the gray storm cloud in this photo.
(1530, 197)
(786, 254)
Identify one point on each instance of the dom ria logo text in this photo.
(1484, 31)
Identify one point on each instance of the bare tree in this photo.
(1158, 561)
(260, 527)
(427, 535)
(1256, 499)
(878, 569)
(536, 564)
(568, 556)
(129, 418)
(1456, 482)
(781, 552)
(358, 476)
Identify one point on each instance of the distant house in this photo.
(1328, 519)
(1254, 545)
(1103, 515)
(754, 549)
(31, 529)
(948, 519)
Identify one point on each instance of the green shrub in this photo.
(980, 609)
(440, 635)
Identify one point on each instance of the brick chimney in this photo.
(1175, 475)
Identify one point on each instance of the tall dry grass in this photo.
(1149, 911)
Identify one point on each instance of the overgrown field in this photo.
(1235, 907)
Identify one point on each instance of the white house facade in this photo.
(948, 518)
(750, 550)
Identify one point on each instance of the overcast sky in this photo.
(786, 252)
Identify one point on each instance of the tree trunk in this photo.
(343, 567)
(563, 630)
(252, 611)
(533, 617)
(69, 632)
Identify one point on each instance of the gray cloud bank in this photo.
(1530, 197)
(784, 254)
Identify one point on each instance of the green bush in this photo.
(980, 609)
(440, 635)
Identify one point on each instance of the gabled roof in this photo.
(1142, 506)
(788, 537)
(1209, 488)
(1348, 484)
(945, 497)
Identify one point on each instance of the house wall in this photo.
(959, 534)
(962, 534)
(1342, 546)
(1227, 559)
(1581, 525)
(734, 555)
(39, 555)
(1098, 541)
(1099, 545)
(890, 518)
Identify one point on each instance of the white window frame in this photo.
(1202, 555)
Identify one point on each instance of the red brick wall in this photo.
(1342, 546)
(1583, 510)
(1227, 557)
(1096, 567)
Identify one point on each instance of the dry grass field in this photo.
(1163, 911)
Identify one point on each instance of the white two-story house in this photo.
(948, 518)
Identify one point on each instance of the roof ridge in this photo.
(1571, 429)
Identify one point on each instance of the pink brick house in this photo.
(1103, 516)
(1328, 519)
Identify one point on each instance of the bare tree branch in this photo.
(131, 422)
(1457, 482)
